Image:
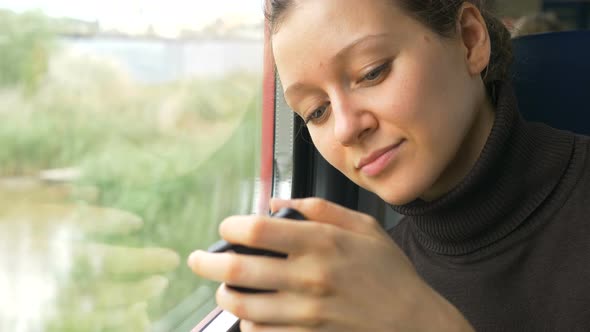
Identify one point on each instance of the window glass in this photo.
(128, 131)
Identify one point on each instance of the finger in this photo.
(324, 211)
(279, 308)
(263, 232)
(134, 318)
(257, 272)
(109, 294)
(264, 273)
(108, 260)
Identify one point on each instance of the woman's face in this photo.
(387, 101)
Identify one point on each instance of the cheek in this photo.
(428, 106)
(327, 145)
(430, 101)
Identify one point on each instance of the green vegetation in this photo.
(182, 156)
(25, 45)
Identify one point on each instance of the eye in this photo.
(376, 73)
(317, 114)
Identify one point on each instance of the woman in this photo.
(410, 99)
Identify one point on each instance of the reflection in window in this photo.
(125, 141)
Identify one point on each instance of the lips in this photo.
(375, 162)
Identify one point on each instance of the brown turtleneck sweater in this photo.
(510, 245)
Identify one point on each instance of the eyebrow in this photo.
(346, 49)
(295, 87)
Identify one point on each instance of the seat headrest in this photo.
(551, 77)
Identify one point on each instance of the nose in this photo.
(352, 121)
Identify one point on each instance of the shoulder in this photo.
(566, 233)
(579, 170)
(579, 166)
(583, 142)
(571, 197)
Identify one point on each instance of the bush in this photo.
(26, 41)
(181, 155)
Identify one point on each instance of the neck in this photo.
(518, 168)
(467, 154)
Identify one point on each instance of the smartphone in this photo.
(220, 320)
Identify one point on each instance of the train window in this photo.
(129, 130)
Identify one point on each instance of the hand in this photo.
(343, 273)
(57, 276)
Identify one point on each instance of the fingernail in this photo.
(194, 256)
(245, 324)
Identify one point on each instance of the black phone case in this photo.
(223, 246)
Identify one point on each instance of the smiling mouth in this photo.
(377, 161)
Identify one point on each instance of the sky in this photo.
(167, 16)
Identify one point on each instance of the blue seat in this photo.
(552, 79)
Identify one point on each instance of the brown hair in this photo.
(440, 16)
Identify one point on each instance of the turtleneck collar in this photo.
(517, 170)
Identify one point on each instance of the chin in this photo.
(401, 192)
(396, 195)
(399, 199)
(394, 191)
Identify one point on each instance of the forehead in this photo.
(314, 31)
(335, 18)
